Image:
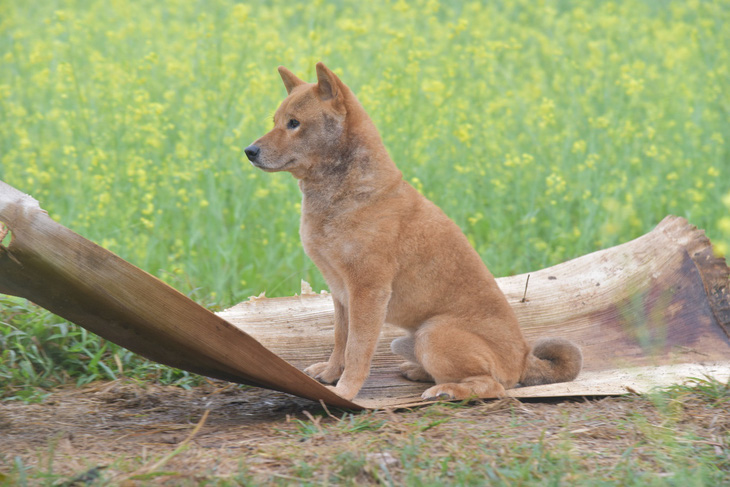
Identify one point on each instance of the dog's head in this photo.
(308, 126)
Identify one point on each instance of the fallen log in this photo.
(649, 312)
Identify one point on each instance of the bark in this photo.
(649, 312)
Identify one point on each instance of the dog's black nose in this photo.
(252, 152)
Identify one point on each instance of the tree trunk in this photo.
(649, 312)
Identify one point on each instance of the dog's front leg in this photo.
(328, 372)
(367, 309)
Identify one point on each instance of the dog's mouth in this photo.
(257, 163)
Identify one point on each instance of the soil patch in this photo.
(133, 431)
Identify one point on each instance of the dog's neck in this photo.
(364, 176)
(360, 168)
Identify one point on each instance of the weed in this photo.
(707, 389)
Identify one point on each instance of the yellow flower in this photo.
(261, 193)
(652, 151)
(579, 146)
(720, 249)
(473, 220)
(724, 224)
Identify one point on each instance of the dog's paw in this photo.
(323, 372)
(470, 388)
(446, 392)
(415, 372)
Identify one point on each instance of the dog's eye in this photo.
(292, 124)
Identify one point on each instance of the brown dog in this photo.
(389, 254)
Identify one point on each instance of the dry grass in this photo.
(124, 433)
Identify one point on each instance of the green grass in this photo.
(546, 131)
(39, 351)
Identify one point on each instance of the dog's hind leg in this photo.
(405, 347)
(465, 364)
(477, 386)
(411, 369)
(415, 372)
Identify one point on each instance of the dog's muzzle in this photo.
(252, 152)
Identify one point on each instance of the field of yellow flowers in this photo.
(544, 129)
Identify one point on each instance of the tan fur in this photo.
(389, 254)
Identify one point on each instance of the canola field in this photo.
(545, 129)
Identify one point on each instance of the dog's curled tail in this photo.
(552, 360)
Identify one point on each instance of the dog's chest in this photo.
(318, 234)
(312, 234)
(331, 238)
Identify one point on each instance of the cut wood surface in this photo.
(646, 313)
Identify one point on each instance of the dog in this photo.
(389, 254)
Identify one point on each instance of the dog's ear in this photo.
(290, 80)
(328, 84)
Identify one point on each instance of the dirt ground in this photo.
(79, 429)
(131, 430)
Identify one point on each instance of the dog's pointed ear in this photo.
(290, 79)
(328, 84)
